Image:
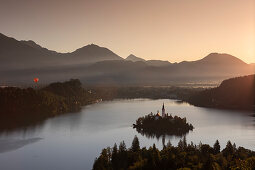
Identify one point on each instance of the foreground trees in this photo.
(186, 156)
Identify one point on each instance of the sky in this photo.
(173, 30)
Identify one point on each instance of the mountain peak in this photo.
(133, 58)
(221, 58)
(91, 47)
(93, 52)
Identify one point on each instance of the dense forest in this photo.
(184, 156)
(153, 125)
(23, 107)
(151, 92)
(235, 93)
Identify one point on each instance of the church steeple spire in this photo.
(163, 110)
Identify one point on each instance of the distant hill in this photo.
(133, 58)
(37, 46)
(21, 107)
(16, 54)
(215, 65)
(20, 54)
(21, 61)
(220, 59)
(93, 53)
(234, 93)
(158, 63)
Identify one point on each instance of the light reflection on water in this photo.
(73, 141)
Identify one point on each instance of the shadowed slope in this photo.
(235, 93)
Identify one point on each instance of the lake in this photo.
(73, 141)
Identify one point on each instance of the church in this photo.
(163, 113)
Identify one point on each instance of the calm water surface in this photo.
(73, 141)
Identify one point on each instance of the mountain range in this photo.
(21, 61)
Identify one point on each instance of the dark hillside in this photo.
(235, 93)
(25, 107)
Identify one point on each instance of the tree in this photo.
(103, 161)
(169, 144)
(122, 156)
(135, 144)
(114, 156)
(229, 150)
(180, 144)
(216, 147)
(184, 142)
(122, 147)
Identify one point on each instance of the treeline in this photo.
(23, 107)
(164, 92)
(183, 156)
(235, 93)
(153, 125)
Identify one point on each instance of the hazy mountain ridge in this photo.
(37, 46)
(20, 61)
(94, 53)
(27, 54)
(133, 58)
(17, 54)
(158, 63)
(221, 59)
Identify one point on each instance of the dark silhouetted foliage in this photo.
(135, 144)
(216, 147)
(235, 93)
(152, 125)
(23, 107)
(183, 156)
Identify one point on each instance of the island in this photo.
(156, 125)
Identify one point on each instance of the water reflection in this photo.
(23, 132)
(7, 145)
(158, 135)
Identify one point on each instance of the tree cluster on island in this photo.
(183, 156)
(25, 107)
(155, 125)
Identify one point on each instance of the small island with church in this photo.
(165, 124)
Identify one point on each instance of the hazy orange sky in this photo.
(173, 30)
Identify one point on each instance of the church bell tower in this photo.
(163, 111)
